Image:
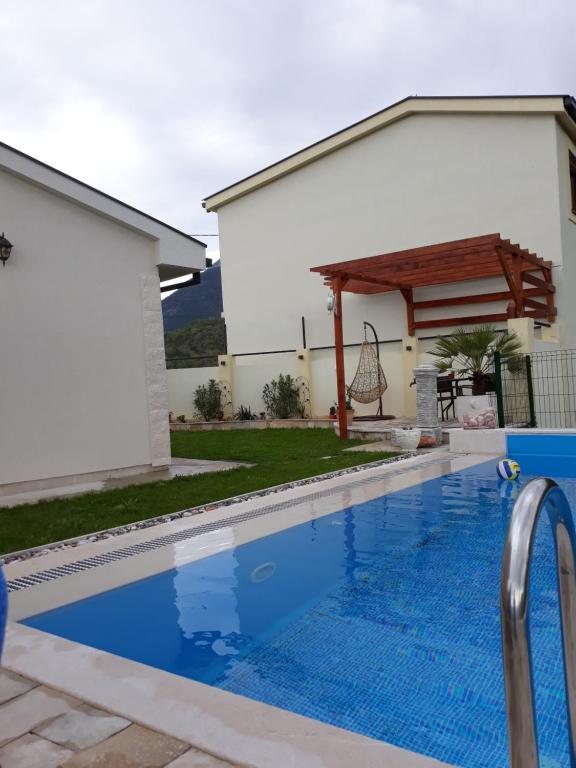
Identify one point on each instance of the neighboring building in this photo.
(423, 171)
(82, 370)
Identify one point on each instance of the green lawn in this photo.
(279, 456)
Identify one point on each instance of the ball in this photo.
(508, 469)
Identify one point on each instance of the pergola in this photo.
(473, 258)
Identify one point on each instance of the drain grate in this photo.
(95, 561)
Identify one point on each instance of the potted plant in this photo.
(407, 438)
(470, 354)
(332, 412)
(349, 409)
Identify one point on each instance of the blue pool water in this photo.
(382, 618)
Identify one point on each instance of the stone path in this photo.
(42, 728)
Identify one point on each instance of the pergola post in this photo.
(339, 348)
(408, 295)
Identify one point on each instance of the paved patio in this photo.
(42, 728)
(39, 490)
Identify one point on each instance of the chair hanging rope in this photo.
(369, 382)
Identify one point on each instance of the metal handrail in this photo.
(514, 603)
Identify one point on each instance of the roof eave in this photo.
(41, 166)
(560, 105)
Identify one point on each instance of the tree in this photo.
(207, 400)
(472, 353)
(282, 398)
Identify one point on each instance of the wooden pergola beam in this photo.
(339, 350)
(535, 304)
(431, 250)
(474, 258)
(509, 277)
(495, 317)
(477, 298)
(547, 271)
(539, 283)
(408, 295)
(425, 260)
(525, 254)
(439, 272)
(384, 282)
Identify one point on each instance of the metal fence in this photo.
(536, 390)
(513, 392)
(554, 388)
(192, 361)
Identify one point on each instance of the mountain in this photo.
(196, 345)
(197, 302)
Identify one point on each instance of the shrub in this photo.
(207, 401)
(244, 413)
(181, 418)
(471, 353)
(282, 398)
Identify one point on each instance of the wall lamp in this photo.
(5, 249)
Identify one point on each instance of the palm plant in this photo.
(471, 353)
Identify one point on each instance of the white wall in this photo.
(324, 380)
(567, 223)
(182, 384)
(250, 374)
(423, 180)
(175, 253)
(76, 394)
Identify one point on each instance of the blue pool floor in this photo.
(382, 619)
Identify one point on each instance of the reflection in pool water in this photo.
(382, 618)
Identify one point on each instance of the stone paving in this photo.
(43, 728)
(42, 490)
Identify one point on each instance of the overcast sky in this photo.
(162, 102)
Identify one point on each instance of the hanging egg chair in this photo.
(369, 382)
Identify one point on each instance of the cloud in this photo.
(161, 104)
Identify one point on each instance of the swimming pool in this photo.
(382, 619)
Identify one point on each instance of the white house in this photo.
(422, 171)
(82, 370)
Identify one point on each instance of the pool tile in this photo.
(33, 708)
(82, 728)
(12, 685)
(134, 747)
(32, 752)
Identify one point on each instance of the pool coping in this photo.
(149, 522)
(59, 555)
(231, 727)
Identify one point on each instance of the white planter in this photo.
(407, 439)
(476, 412)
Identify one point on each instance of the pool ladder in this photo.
(523, 739)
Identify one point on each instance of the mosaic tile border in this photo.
(107, 533)
(95, 561)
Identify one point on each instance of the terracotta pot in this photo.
(350, 416)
